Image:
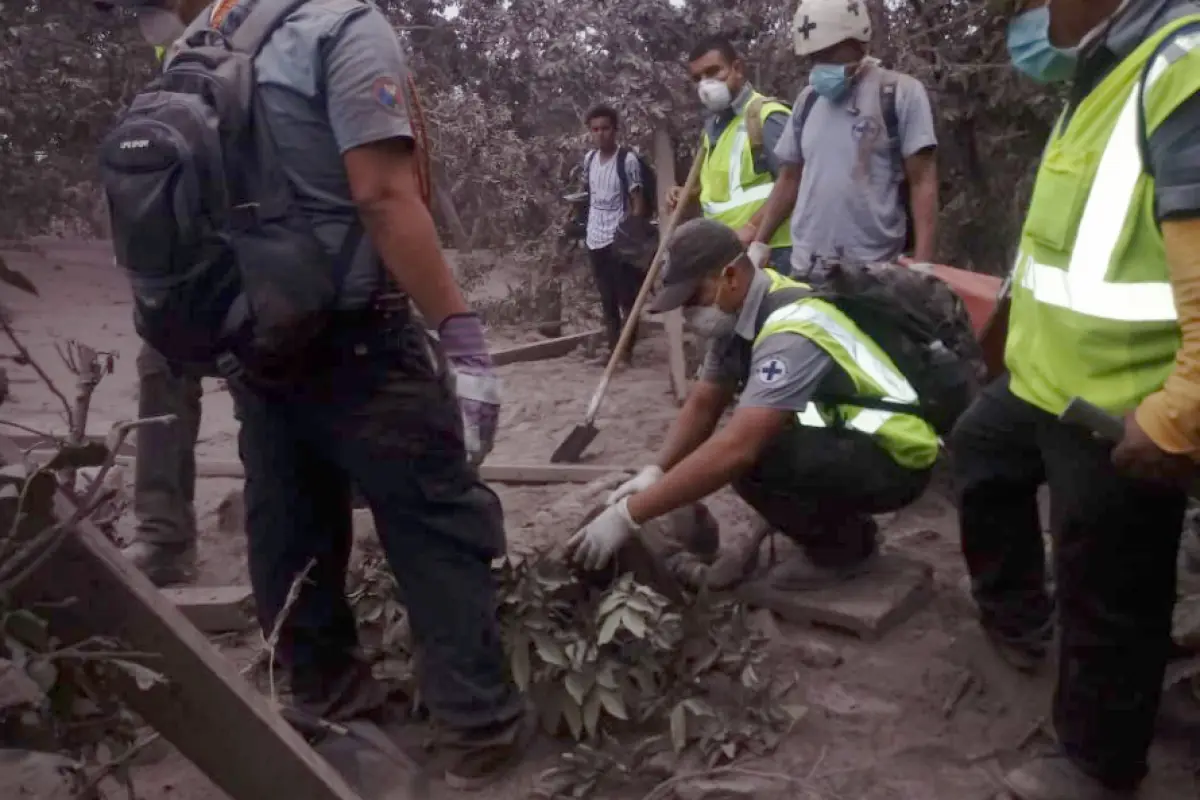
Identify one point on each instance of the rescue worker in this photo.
(375, 409)
(1105, 307)
(164, 541)
(737, 177)
(858, 160)
(818, 482)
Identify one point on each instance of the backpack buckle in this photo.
(229, 366)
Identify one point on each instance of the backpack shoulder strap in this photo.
(264, 17)
(805, 102)
(623, 174)
(754, 127)
(887, 106)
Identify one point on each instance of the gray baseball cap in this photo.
(698, 248)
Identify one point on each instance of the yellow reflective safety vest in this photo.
(731, 190)
(908, 439)
(1093, 314)
(159, 52)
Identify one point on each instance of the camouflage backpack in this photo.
(923, 326)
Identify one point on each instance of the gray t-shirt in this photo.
(331, 78)
(849, 202)
(782, 372)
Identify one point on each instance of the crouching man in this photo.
(814, 470)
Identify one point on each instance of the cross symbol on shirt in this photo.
(807, 28)
(852, 7)
(770, 371)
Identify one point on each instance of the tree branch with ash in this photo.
(86, 721)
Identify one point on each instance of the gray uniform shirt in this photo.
(331, 78)
(783, 372)
(849, 202)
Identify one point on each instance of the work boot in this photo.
(163, 563)
(850, 552)
(480, 758)
(1056, 778)
(799, 573)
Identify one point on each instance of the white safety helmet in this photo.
(823, 23)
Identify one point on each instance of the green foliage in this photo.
(620, 671)
(506, 85)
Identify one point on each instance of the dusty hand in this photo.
(746, 234)
(598, 541)
(645, 478)
(674, 196)
(475, 382)
(1138, 456)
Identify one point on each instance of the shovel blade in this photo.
(571, 449)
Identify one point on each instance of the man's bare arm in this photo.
(781, 201)
(695, 422)
(921, 171)
(383, 185)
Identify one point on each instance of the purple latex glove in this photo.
(475, 381)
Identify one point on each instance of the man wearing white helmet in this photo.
(858, 167)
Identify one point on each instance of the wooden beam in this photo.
(540, 351)
(206, 709)
(214, 609)
(494, 473)
(664, 166)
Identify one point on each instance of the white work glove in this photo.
(599, 540)
(646, 477)
(475, 382)
(759, 253)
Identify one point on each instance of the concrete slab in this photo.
(867, 606)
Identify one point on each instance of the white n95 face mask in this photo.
(714, 94)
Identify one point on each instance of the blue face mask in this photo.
(830, 81)
(1033, 53)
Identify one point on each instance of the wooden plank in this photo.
(664, 165)
(206, 709)
(868, 606)
(540, 351)
(214, 609)
(495, 473)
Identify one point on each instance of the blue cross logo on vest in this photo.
(771, 370)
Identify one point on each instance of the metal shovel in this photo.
(571, 449)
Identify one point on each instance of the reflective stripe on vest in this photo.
(1082, 286)
(907, 438)
(731, 189)
(738, 196)
(1093, 311)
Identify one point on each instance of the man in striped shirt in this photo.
(613, 178)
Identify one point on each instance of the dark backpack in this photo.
(891, 123)
(228, 277)
(922, 325)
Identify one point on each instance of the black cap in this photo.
(699, 248)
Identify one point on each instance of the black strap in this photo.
(622, 176)
(862, 401)
(806, 108)
(344, 261)
(264, 18)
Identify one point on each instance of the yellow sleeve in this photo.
(1171, 417)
